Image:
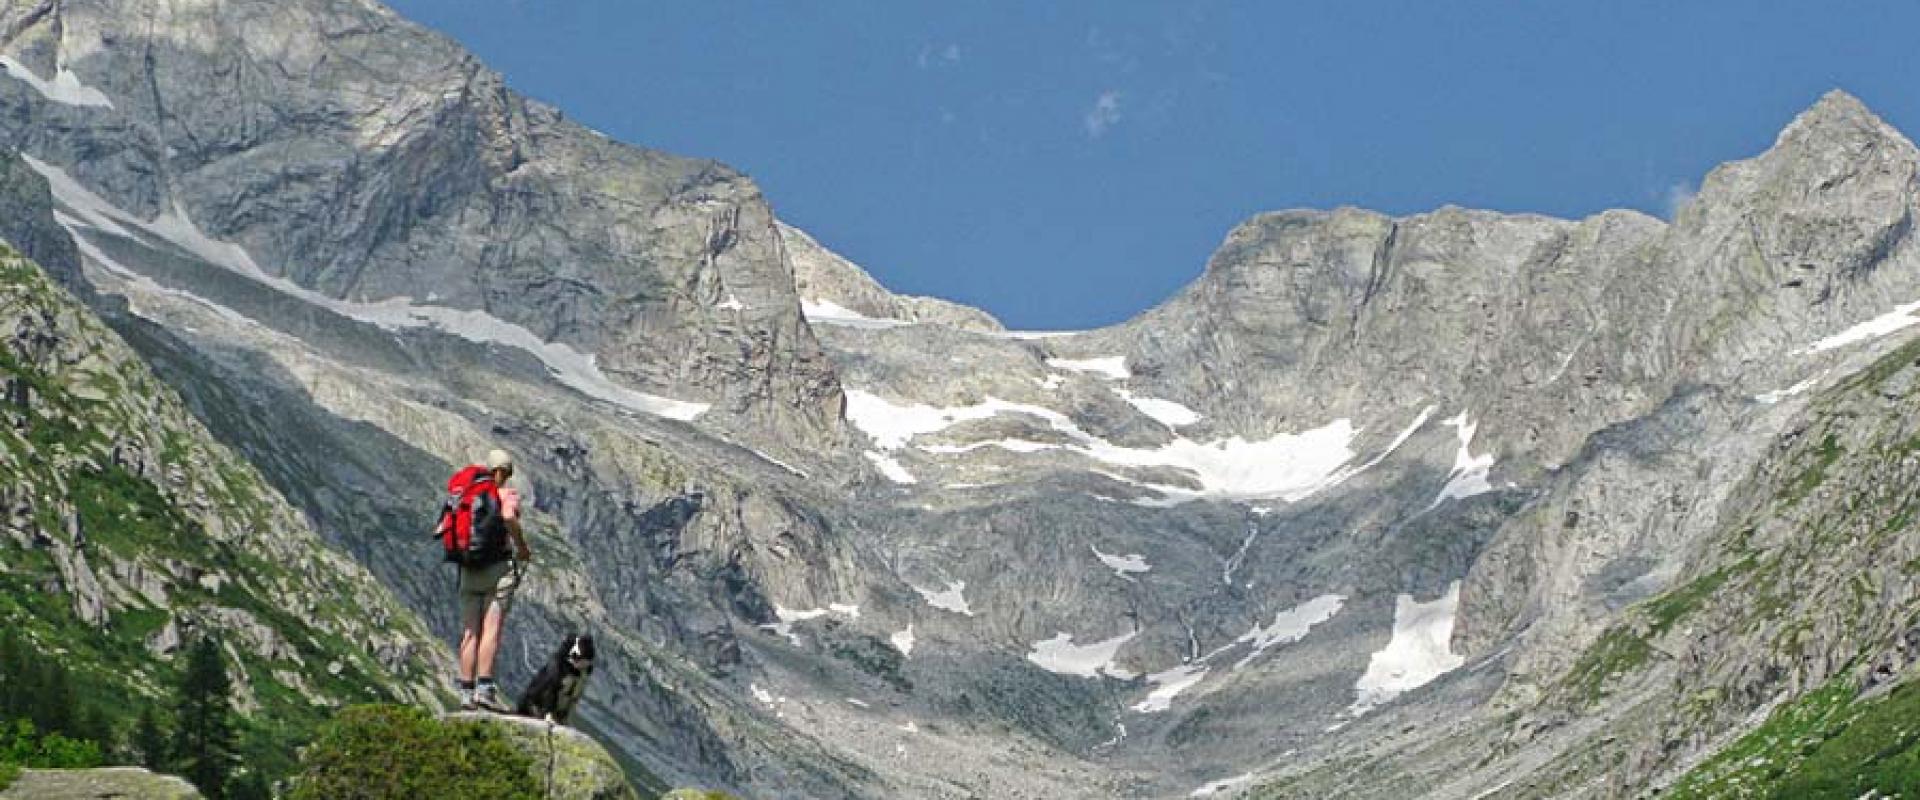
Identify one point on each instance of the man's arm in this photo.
(510, 504)
(521, 552)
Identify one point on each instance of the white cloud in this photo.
(1104, 114)
(1678, 196)
(938, 55)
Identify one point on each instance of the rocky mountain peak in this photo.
(1835, 149)
(1837, 116)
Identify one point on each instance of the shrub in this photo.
(22, 745)
(374, 752)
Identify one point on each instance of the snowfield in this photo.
(1110, 367)
(1469, 476)
(1879, 326)
(1165, 412)
(1061, 656)
(65, 88)
(1290, 626)
(891, 468)
(1420, 651)
(953, 598)
(828, 312)
(1288, 466)
(1168, 685)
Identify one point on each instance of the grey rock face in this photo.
(822, 276)
(1349, 512)
(365, 158)
(115, 497)
(88, 784)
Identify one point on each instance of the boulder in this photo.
(130, 783)
(568, 763)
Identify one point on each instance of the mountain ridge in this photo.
(890, 558)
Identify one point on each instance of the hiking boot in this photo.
(487, 698)
(466, 699)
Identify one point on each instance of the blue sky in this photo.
(1070, 165)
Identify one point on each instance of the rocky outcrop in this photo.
(568, 764)
(834, 290)
(132, 783)
(143, 530)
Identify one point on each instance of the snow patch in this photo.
(762, 695)
(732, 304)
(953, 598)
(903, 641)
(1168, 685)
(1166, 412)
(576, 370)
(787, 617)
(1469, 476)
(1291, 625)
(1121, 565)
(1419, 652)
(65, 88)
(1222, 785)
(1419, 421)
(1288, 466)
(891, 467)
(1777, 395)
(1061, 656)
(1882, 325)
(1109, 367)
(830, 313)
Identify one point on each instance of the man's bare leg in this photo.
(469, 650)
(489, 644)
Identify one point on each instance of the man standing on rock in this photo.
(489, 574)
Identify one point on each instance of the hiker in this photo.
(480, 528)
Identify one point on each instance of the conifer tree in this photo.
(13, 657)
(150, 741)
(205, 746)
(53, 704)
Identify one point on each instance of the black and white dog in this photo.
(558, 686)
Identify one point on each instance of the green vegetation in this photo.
(1619, 651)
(22, 745)
(1824, 745)
(1815, 473)
(203, 745)
(375, 752)
(1676, 604)
(84, 449)
(43, 721)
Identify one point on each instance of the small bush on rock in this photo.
(376, 752)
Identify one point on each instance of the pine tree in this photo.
(150, 741)
(13, 656)
(205, 747)
(53, 704)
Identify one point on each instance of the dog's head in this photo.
(577, 651)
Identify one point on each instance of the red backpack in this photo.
(469, 518)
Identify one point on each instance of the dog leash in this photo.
(550, 758)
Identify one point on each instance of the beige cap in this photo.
(498, 459)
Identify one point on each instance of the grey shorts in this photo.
(492, 584)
